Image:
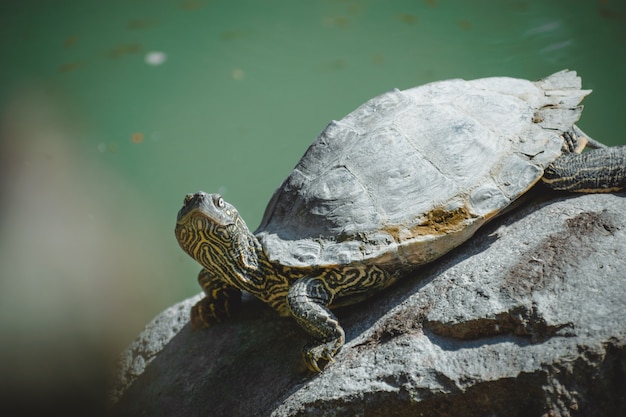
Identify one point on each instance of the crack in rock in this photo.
(520, 321)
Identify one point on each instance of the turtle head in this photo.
(211, 231)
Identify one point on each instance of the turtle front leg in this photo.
(308, 301)
(216, 305)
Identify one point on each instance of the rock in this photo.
(156, 335)
(526, 319)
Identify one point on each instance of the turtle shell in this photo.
(411, 174)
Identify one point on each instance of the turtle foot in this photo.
(316, 355)
(201, 316)
(210, 311)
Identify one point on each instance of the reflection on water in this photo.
(177, 96)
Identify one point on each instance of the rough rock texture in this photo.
(526, 319)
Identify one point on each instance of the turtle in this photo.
(397, 183)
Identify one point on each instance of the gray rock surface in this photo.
(526, 319)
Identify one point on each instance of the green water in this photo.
(112, 111)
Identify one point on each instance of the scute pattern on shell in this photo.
(365, 190)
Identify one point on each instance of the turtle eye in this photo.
(188, 198)
(219, 202)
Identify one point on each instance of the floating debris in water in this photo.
(124, 49)
(233, 35)
(378, 59)
(545, 28)
(336, 21)
(155, 58)
(70, 66)
(553, 47)
(192, 5)
(137, 137)
(138, 24)
(464, 24)
(408, 18)
(71, 41)
(107, 147)
(237, 74)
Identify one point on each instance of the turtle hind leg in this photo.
(575, 140)
(596, 171)
(308, 301)
(590, 142)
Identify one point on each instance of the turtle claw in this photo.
(208, 312)
(325, 352)
(214, 308)
(312, 365)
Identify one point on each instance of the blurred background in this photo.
(110, 112)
